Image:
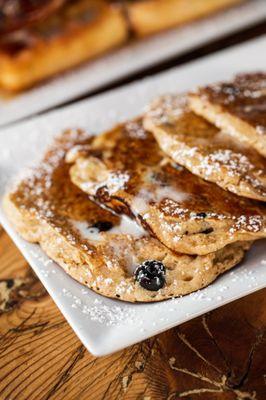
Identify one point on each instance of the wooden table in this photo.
(221, 355)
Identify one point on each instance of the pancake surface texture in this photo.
(238, 107)
(206, 151)
(125, 170)
(96, 247)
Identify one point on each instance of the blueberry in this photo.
(151, 275)
(207, 231)
(103, 226)
(9, 283)
(201, 215)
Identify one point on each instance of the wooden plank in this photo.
(218, 356)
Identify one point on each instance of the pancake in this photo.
(76, 32)
(238, 107)
(110, 254)
(125, 169)
(205, 150)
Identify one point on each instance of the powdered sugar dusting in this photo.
(155, 192)
(247, 223)
(104, 314)
(238, 107)
(205, 150)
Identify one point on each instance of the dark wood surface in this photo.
(221, 355)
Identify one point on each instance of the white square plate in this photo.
(106, 325)
(129, 59)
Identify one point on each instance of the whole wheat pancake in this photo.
(207, 152)
(125, 170)
(237, 107)
(73, 33)
(110, 254)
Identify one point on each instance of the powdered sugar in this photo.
(247, 223)
(104, 314)
(205, 150)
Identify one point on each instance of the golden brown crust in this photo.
(126, 170)
(206, 151)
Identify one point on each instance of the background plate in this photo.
(130, 59)
(106, 325)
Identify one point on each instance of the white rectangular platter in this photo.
(129, 59)
(106, 325)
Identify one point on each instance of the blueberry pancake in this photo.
(150, 16)
(62, 35)
(125, 170)
(237, 107)
(108, 253)
(206, 151)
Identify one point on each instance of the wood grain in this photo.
(221, 355)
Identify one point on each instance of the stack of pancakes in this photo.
(159, 206)
(41, 38)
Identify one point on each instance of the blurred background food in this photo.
(39, 39)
